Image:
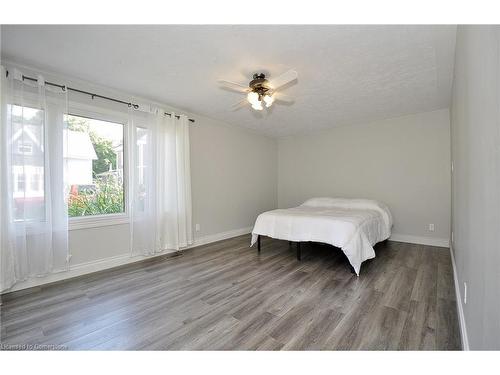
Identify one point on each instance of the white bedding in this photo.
(354, 225)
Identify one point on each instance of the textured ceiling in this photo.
(347, 74)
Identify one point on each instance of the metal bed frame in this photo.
(299, 255)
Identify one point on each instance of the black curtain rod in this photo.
(93, 95)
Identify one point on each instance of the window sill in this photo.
(97, 221)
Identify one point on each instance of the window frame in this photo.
(104, 114)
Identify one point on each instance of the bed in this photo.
(353, 225)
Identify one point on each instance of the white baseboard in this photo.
(430, 241)
(221, 236)
(460, 309)
(81, 269)
(119, 260)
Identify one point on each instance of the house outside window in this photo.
(28, 160)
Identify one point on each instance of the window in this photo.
(36, 182)
(20, 183)
(94, 166)
(28, 160)
(25, 148)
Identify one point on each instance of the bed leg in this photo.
(298, 251)
(258, 243)
(289, 244)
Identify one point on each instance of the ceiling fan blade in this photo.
(279, 97)
(239, 105)
(233, 86)
(283, 79)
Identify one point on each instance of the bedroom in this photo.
(249, 187)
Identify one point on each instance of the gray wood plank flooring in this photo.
(226, 296)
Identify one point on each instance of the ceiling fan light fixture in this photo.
(262, 91)
(257, 106)
(269, 100)
(253, 98)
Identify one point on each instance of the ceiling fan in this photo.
(262, 92)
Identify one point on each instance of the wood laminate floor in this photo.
(225, 296)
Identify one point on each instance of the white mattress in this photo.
(354, 225)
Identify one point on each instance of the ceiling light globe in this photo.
(268, 99)
(257, 106)
(253, 97)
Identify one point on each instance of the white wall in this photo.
(475, 133)
(234, 176)
(404, 162)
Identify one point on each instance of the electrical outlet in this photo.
(431, 227)
(465, 293)
(197, 227)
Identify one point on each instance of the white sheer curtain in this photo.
(160, 183)
(33, 212)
